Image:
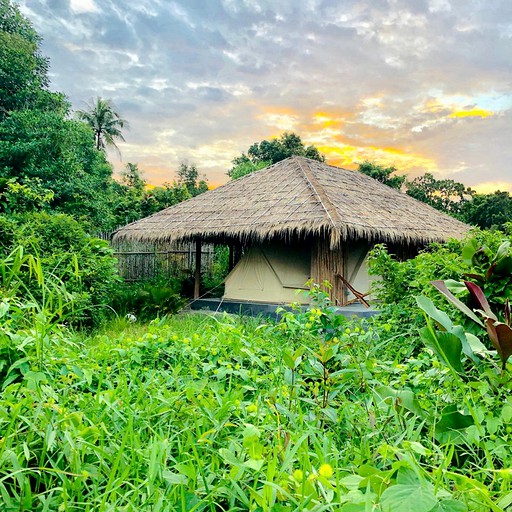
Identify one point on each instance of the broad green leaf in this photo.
(502, 252)
(446, 346)
(407, 476)
(506, 413)
(255, 464)
(352, 482)
(331, 414)
(354, 507)
(477, 347)
(399, 398)
(174, 478)
(504, 266)
(229, 457)
(441, 286)
(450, 506)
(455, 286)
(469, 250)
(452, 419)
(408, 498)
(4, 308)
(436, 314)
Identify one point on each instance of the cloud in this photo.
(419, 84)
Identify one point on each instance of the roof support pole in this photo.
(231, 262)
(197, 275)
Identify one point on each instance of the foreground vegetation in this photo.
(200, 413)
(411, 411)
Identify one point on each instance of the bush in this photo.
(146, 300)
(84, 264)
(402, 281)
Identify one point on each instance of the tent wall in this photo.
(272, 272)
(269, 273)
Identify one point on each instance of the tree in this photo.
(23, 70)
(488, 210)
(445, 195)
(106, 122)
(131, 176)
(270, 152)
(60, 153)
(188, 176)
(382, 174)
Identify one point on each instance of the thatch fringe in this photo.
(293, 199)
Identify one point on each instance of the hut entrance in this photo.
(343, 267)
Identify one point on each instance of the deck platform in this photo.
(269, 310)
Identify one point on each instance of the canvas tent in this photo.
(298, 218)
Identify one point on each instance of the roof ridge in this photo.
(326, 203)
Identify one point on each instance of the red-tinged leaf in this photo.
(490, 272)
(478, 277)
(491, 331)
(501, 338)
(441, 286)
(505, 339)
(478, 296)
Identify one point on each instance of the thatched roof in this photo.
(298, 197)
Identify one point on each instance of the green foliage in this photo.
(382, 174)
(105, 121)
(491, 268)
(24, 197)
(23, 71)
(65, 252)
(146, 300)
(205, 413)
(242, 166)
(264, 153)
(445, 195)
(214, 279)
(188, 177)
(488, 210)
(401, 282)
(58, 154)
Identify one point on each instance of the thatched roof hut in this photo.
(299, 200)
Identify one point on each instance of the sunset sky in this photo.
(424, 85)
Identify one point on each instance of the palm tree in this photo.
(101, 115)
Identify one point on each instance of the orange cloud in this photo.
(491, 186)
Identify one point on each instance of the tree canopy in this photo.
(488, 210)
(445, 195)
(382, 174)
(105, 121)
(23, 70)
(264, 153)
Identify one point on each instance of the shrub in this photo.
(402, 281)
(146, 300)
(65, 251)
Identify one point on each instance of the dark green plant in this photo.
(145, 300)
(65, 252)
(500, 333)
(491, 269)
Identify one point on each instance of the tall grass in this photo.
(195, 413)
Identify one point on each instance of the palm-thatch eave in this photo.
(296, 198)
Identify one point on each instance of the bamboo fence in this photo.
(139, 261)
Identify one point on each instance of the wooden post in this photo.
(197, 282)
(231, 261)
